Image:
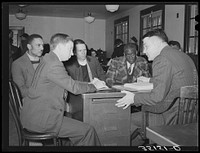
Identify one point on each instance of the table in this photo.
(174, 135)
(111, 123)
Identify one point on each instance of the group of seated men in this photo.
(43, 80)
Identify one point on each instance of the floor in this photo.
(13, 137)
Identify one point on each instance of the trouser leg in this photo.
(80, 134)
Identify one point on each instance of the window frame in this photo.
(187, 33)
(121, 21)
(151, 10)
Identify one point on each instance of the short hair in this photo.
(132, 47)
(157, 32)
(174, 43)
(32, 37)
(118, 41)
(78, 41)
(59, 38)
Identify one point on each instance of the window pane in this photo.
(154, 21)
(123, 28)
(193, 11)
(191, 45)
(159, 20)
(196, 48)
(144, 22)
(192, 27)
(149, 21)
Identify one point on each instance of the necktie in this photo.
(129, 70)
(35, 62)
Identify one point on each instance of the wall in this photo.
(92, 34)
(174, 27)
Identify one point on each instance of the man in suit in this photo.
(43, 109)
(172, 69)
(83, 68)
(24, 67)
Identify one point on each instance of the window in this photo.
(191, 35)
(121, 29)
(151, 18)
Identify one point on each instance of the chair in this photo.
(187, 111)
(15, 103)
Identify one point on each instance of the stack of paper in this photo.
(139, 86)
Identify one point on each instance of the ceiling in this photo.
(64, 10)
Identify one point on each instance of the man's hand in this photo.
(127, 100)
(98, 83)
(143, 79)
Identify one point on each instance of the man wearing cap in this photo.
(23, 45)
(24, 67)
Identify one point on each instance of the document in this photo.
(135, 87)
(138, 86)
(100, 85)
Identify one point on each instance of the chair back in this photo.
(14, 105)
(188, 105)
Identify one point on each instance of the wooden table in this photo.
(174, 135)
(111, 123)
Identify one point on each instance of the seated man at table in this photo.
(127, 68)
(43, 109)
(82, 68)
(172, 69)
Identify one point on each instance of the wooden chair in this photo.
(15, 104)
(187, 111)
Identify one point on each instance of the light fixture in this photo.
(112, 8)
(20, 14)
(89, 18)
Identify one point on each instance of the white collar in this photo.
(82, 62)
(32, 58)
(128, 64)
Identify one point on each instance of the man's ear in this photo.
(29, 46)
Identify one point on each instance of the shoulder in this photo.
(141, 59)
(21, 60)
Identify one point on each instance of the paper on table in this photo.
(139, 86)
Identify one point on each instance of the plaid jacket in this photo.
(117, 71)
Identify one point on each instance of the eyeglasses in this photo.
(130, 55)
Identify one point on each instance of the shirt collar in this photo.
(32, 58)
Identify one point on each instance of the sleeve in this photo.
(58, 75)
(162, 79)
(111, 72)
(18, 78)
(145, 69)
(100, 72)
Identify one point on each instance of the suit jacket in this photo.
(75, 70)
(22, 73)
(172, 69)
(43, 107)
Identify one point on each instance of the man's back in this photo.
(44, 106)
